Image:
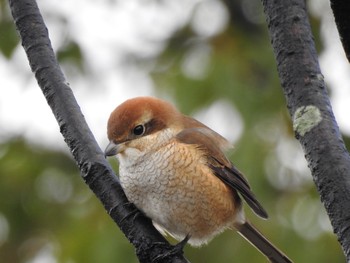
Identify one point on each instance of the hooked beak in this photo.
(113, 149)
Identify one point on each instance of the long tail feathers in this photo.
(249, 232)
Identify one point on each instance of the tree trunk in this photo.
(341, 11)
(149, 243)
(307, 100)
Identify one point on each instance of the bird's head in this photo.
(138, 121)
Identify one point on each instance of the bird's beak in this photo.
(113, 149)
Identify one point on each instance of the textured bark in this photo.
(309, 106)
(341, 11)
(95, 170)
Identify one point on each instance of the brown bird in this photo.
(173, 168)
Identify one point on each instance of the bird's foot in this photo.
(176, 249)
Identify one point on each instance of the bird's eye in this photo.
(139, 130)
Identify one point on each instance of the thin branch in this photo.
(341, 11)
(309, 106)
(95, 170)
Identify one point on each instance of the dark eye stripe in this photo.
(148, 128)
(153, 126)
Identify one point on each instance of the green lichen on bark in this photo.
(305, 118)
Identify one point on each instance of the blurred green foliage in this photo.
(71, 53)
(47, 213)
(8, 36)
(46, 209)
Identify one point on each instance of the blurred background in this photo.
(211, 58)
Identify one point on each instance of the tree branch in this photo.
(95, 170)
(341, 11)
(309, 106)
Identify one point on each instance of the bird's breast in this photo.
(174, 187)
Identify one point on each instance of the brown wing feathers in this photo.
(205, 139)
(233, 178)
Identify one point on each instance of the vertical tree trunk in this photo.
(309, 106)
(341, 11)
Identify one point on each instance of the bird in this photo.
(173, 168)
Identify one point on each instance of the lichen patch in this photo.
(305, 118)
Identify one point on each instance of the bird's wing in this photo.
(207, 140)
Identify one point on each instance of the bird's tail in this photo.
(249, 232)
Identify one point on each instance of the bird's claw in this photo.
(176, 249)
